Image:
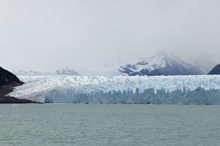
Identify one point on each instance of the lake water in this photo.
(109, 125)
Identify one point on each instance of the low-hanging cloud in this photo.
(46, 35)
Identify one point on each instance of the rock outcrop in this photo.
(215, 70)
(7, 82)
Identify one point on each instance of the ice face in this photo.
(121, 89)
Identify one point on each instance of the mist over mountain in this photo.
(81, 34)
(66, 71)
(31, 72)
(162, 64)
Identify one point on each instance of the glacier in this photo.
(194, 89)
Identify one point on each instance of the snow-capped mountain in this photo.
(161, 65)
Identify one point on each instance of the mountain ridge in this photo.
(160, 65)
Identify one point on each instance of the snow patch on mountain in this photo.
(161, 65)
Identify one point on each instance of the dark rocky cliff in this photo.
(215, 70)
(7, 82)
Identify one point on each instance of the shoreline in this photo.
(12, 100)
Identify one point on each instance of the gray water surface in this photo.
(109, 125)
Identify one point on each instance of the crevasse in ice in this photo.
(121, 89)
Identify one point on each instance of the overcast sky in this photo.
(46, 35)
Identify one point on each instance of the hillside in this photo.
(215, 70)
(7, 82)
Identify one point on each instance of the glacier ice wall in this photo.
(121, 89)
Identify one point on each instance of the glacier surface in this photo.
(202, 89)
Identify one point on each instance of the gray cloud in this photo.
(45, 35)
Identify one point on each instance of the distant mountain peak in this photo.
(160, 64)
(66, 71)
(31, 72)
